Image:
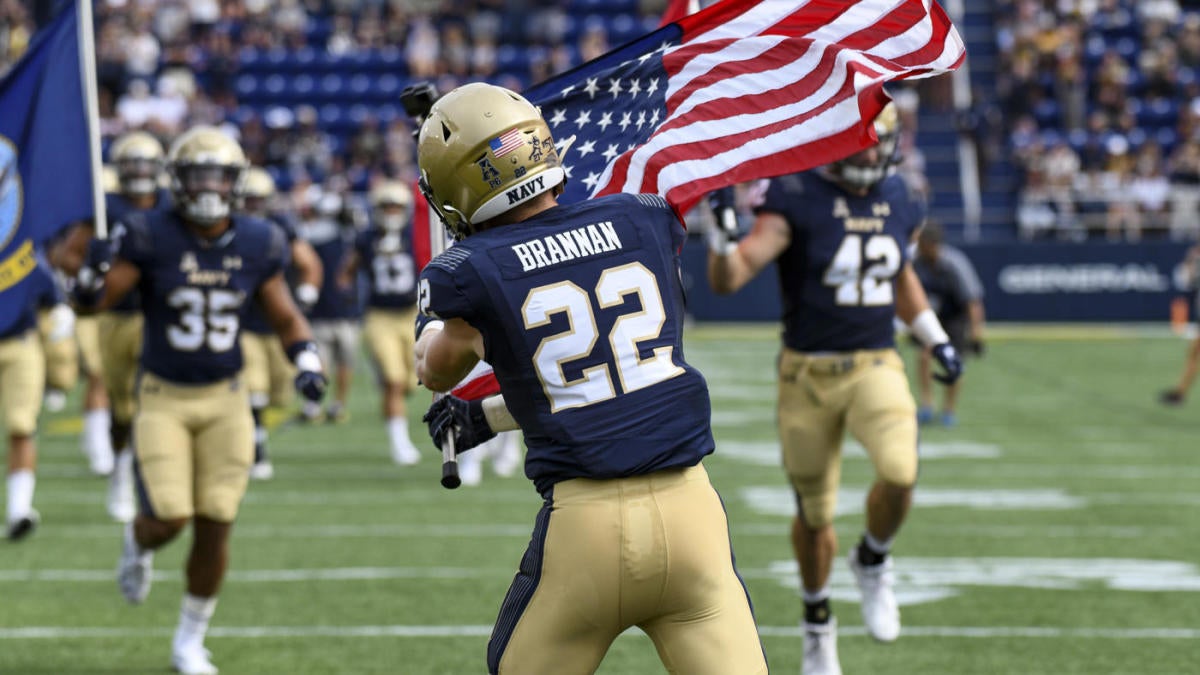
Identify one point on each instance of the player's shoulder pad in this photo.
(452, 258)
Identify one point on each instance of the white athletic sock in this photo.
(194, 614)
(20, 494)
(876, 546)
(398, 432)
(96, 441)
(812, 597)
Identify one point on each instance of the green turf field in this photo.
(1055, 531)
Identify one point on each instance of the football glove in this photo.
(89, 280)
(949, 361)
(307, 296)
(310, 381)
(723, 235)
(464, 419)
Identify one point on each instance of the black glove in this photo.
(725, 231)
(311, 384)
(464, 419)
(950, 362)
(89, 280)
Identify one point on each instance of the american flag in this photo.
(739, 91)
(506, 143)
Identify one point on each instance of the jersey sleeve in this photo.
(279, 253)
(131, 240)
(285, 224)
(362, 244)
(774, 198)
(442, 292)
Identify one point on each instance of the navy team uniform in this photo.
(193, 433)
(268, 373)
(335, 315)
(388, 261)
(581, 313)
(120, 329)
(839, 370)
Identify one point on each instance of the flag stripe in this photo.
(742, 90)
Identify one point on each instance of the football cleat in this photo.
(120, 502)
(24, 526)
(135, 569)
(405, 454)
(880, 612)
(924, 415)
(195, 660)
(1171, 397)
(820, 649)
(263, 470)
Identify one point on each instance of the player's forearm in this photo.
(911, 300)
(308, 264)
(976, 316)
(727, 273)
(442, 359)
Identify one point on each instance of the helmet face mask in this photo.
(864, 169)
(482, 151)
(138, 160)
(207, 171)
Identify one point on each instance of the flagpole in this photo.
(87, 72)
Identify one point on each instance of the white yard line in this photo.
(976, 632)
(272, 575)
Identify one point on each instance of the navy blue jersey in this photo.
(387, 260)
(46, 289)
(255, 319)
(119, 212)
(195, 291)
(581, 312)
(836, 276)
(332, 243)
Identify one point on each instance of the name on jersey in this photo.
(202, 277)
(563, 246)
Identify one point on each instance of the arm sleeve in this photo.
(131, 240)
(285, 224)
(278, 255)
(774, 199)
(440, 293)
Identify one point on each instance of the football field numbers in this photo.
(595, 383)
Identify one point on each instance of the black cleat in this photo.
(23, 527)
(1171, 397)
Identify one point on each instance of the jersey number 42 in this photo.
(857, 285)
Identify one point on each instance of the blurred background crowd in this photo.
(1096, 103)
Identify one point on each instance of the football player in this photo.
(336, 314)
(198, 265)
(840, 236)
(138, 160)
(579, 309)
(56, 330)
(385, 251)
(268, 374)
(22, 378)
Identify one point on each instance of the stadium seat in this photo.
(250, 59)
(274, 87)
(302, 90)
(246, 87)
(359, 87)
(387, 87)
(333, 87)
(622, 28)
(512, 58)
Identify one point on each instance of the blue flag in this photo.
(45, 165)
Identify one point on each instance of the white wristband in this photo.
(928, 329)
(497, 414)
(719, 242)
(308, 360)
(308, 294)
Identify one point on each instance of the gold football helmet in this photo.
(257, 191)
(109, 179)
(867, 167)
(208, 170)
(391, 204)
(483, 150)
(137, 157)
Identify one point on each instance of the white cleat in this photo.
(470, 467)
(507, 459)
(406, 454)
(193, 661)
(100, 461)
(135, 570)
(121, 505)
(820, 649)
(263, 470)
(880, 612)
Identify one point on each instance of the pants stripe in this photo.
(523, 587)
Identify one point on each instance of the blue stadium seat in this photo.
(275, 87)
(318, 30)
(389, 112)
(246, 87)
(333, 86)
(387, 87)
(359, 87)
(250, 59)
(331, 118)
(511, 58)
(303, 60)
(278, 60)
(624, 27)
(1159, 112)
(303, 89)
